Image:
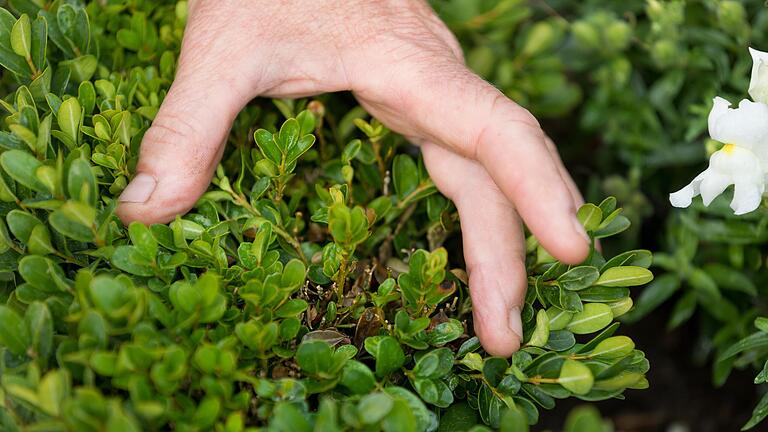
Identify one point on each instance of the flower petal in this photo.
(684, 197)
(747, 197)
(758, 85)
(731, 166)
(713, 186)
(745, 126)
(720, 107)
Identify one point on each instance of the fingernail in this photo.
(515, 322)
(580, 230)
(139, 189)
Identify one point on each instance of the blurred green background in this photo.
(624, 88)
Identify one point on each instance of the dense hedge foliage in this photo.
(308, 289)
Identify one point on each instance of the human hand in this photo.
(483, 151)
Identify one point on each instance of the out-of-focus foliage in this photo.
(311, 288)
(627, 86)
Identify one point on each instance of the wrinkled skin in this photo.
(405, 67)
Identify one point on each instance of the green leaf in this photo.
(490, 406)
(54, 388)
(291, 308)
(42, 273)
(357, 377)
(608, 205)
(434, 364)
(458, 417)
(400, 418)
(43, 135)
(560, 340)
(81, 183)
(586, 418)
(446, 332)
(81, 68)
(515, 420)
(558, 318)
(69, 117)
(22, 166)
(613, 347)
(129, 39)
(730, 279)
(752, 342)
(39, 323)
(287, 417)
(348, 227)
(762, 324)
(314, 357)
(108, 294)
(405, 175)
(143, 240)
(683, 310)
(266, 142)
(21, 37)
(129, 259)
(758, 414)
(374, 407)
(13, 332)
(86, 95)
(434, 391)
(615, 226)
(639, 258)
(289, 135)
(590, 216)
(294, 275)
(625, 276)
(306, 122)
(21, 224)
(652, 296)
(540, 334)
(39, 242)
(602, 294)
(387, 352)
(579, 278)
(621, 307)
(594, 317)
(423, 418)
(576, 377)
(494, 369)
(74, 220)
(8, 58)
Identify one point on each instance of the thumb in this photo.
(180, 151)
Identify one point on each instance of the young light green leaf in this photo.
(594, 317)
(69, 117)
(625, 276)
(21, 37)
(576, 377)
(540, 333)
(613, 347)
(590, 216)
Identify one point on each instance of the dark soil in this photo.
(681, 396)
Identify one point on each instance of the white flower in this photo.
(741, 162)
(745, 126)
(758, 86)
